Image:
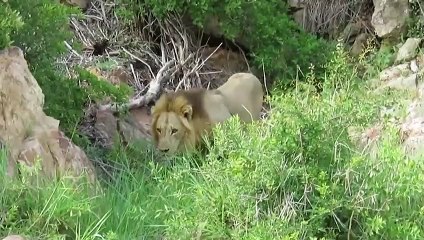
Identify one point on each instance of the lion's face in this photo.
(170, 132)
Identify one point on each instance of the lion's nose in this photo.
(165, 150)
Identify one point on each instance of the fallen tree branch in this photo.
(151, 93)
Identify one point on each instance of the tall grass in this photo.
(295, 175)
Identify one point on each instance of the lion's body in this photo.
(181, 118)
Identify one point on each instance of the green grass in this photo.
(293, 176)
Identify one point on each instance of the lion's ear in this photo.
(187, 111)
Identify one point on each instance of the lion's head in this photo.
(172, 126)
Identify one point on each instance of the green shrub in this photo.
(39, 28)
(275, 40)
(10, 21)
(294, 175)
(297, 173)
(416, 22)
(45, 27)
(66, 100)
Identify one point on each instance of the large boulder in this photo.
(390, 17)
(27, 133)
(14, 237)
(408, 50)
(405, 76)
(109, 129)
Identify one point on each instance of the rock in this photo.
(109, 129)
(297, 3)
(359, 44)
(27, 131)
(225, 60)
(299, 17)
(412, 129)
(366, 140)
(399, 77)
(119, 76)
(132, 131)
(14, 237)
(351, 31)
(390, 17)
(106, 128)
(213, 27)
(408, 51)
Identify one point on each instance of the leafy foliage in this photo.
(11, 21)
(416, 22)
(29, 24)
(294, 175)
(276, 41)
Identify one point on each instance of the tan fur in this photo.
(181, 118)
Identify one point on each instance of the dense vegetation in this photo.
(277, 43)
(28, 25)
(295, 175)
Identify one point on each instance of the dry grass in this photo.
(164, 54)
(326, 17)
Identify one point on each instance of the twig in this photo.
(154, 88)
(71, 49)
(137, 58)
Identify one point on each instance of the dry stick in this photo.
(186, 75)
(195, 68)
(153, 56)
(137, 58)
(71, 49)
(154, 87)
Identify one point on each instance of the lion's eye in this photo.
(174, 130)
(158, 129)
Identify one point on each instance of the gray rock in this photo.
(351, 31)
(408, 51)
(14, 237)
(390, 17)
(297, 3)
(359, 44)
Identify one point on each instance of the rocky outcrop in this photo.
(109, 129)
(27, 133)
(296, 3)
(405, 76)
(402, 76)
(105, 128)
(14, 237)
(408, 50)
(359, 44)
(389, 17)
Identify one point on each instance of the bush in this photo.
(29, 24)
(297, 173)
(293, 175)
(275, 40)
(10, 22)
(416, 22)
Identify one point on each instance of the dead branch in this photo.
(154, 88)
(170, 52)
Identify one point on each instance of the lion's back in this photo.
(243, 95)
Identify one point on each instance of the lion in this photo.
(180, 119)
